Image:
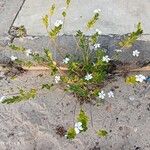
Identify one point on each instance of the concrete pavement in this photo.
(117, 17)
(32, 125)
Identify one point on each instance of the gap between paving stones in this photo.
(108, 42)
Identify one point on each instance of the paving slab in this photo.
(118, 16)
(31, 125)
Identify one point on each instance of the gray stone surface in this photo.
(31, 125)
(8, 11)
(118, 16)
(67, 46)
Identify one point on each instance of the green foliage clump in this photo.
(83, 118)
(52, 10)
(17, 48)
(132, 37)
(77, 70)
(23, 63)
(71, 133)
(131, 80)
(102, 133)
(54, 32)
(94, 38)
(92, 21)
(23, 96)
(79, 90)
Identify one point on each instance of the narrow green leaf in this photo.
(17, 48)
(45, 21)
(52, 10)
(47, 86)
(23, 96)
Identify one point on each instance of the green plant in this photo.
(85, 73)
(130, 39)
(23, 96)
(83, 118)
(102, 133)
(80, 126)
(71, 134)
(131, 80)
(47, 86)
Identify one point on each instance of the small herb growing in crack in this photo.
(130, 39)
(83, 75)
(80, 126)
(102, 133)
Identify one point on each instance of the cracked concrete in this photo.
(8, 12)
(31, 125)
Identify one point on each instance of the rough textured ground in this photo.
(32, 125)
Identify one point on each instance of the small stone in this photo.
(138, 148)
(131, 98)
(148, 107)
(135, 129)
(120, 128)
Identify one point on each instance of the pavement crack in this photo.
(12, 38)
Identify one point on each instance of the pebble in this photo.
(132, 98)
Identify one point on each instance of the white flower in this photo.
(2, 98)
(58, 23)
(13, 58)
(57, 79)
(106, 58)
(140, 78)
(66, 60)
(118, 50)
(110, 94)
(28, 52)
(136, 53)
(78, 127)
(97, 11)
(97, 46)
(88, 77)
(98, 31)
(101, 95)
